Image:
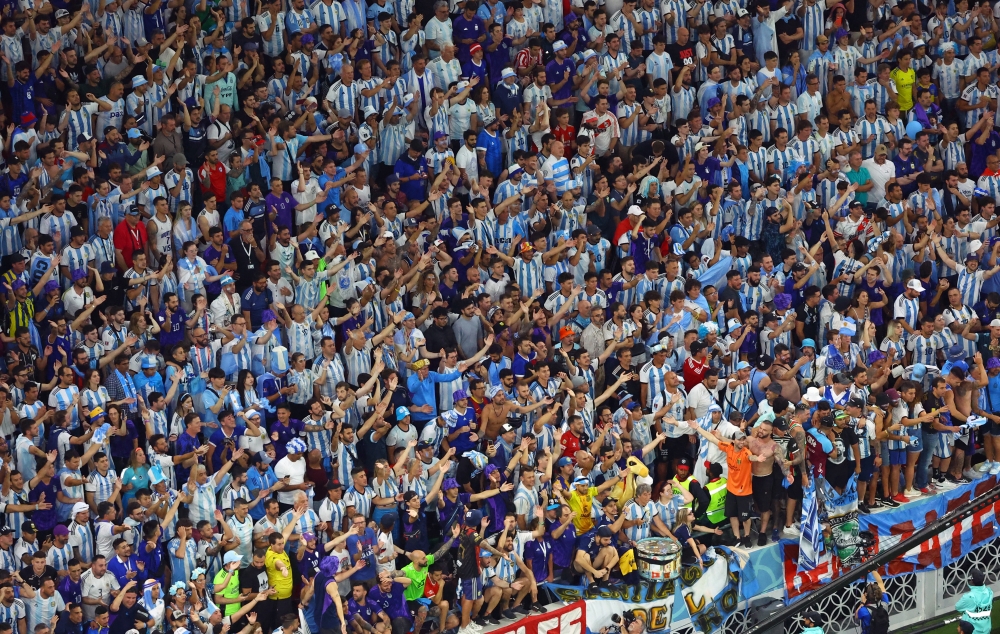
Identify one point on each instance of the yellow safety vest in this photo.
(716, 511)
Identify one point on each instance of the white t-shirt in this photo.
(297, 474)
(700, 397)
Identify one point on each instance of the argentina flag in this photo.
(811, 540)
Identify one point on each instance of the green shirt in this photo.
(859, 176)
(416, 589)
(232, 590)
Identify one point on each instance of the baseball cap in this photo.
(915, 285)
(402, 412)
(881, 149)
(562, 462)
(473, 517)
(60, 530)
(604, 531)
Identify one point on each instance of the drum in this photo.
(866, 545)
(658, 558)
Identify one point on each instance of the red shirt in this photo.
(129, 240)
(213, 178)
(694, 372)
(567, 135)
(571, 444)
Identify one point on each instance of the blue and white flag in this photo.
(811, 540)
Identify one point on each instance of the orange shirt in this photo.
(739, 469)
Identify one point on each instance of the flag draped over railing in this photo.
(811, 540)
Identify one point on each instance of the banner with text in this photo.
(568, 619)
(892, 527)
(709, 597)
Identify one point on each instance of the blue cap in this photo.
(562, 462)
(226, 281)
(148, 362)
(458, 395)
(402, 412)
(808, 343)
(919, 371)
(742, 365)
(473, 517)
(134, 133)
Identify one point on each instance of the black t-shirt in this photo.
(254, 579)
(115, 289)
(788, 27)
(247, 264)
(809, 317)
(35, 581)
(468, 555)
(464, 474)
(682, 55)
(845, 456)
(80, 212)
(729, 294)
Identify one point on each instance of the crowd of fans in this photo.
(377, 316)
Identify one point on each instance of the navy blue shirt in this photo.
(415, 189)
(906, 167)
(256, 303)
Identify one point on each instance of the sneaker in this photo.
(775, 535)
(509, 614)
(539, 608)
(492, 620)
(972, 474)
(762, 539)
(522, 610)
(877, 504)
(984, 466)
(478, 623)
(466, 630)
(912, 493)
(927, 490)
(946, 485)
(863, 508)
(891, 503)
(995, 468)
(792, 530)
(899, 498)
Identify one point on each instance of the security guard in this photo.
(715, 512)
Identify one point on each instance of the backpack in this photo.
(879, 620)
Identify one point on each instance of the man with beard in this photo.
(769, 454)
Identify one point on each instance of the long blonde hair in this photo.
(683, 515)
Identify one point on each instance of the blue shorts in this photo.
(897, 457)
(867, 469)
(472, 589)
(916, 441)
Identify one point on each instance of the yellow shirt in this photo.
(274, 577)
(582, 505)
(904, 87)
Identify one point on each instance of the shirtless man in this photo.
(785, 373)
(496, 411)
(768, 453)
(959, 401)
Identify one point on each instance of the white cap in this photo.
(915, 284)
(975, 245)
(634, 210)
(80, 507)
(369, 111)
